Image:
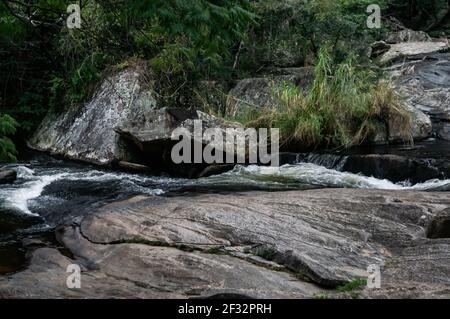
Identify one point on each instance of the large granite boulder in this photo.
(161, 123)
(422, 126)
(401, 36)
(123, 127)
(86, 132)
(154, 139)
(425, 85)
(278, 245)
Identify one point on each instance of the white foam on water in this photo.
(96, 175)
(432, 185)
(130, 180)
(23, 172)
(18, 198)
(319, 176)
(303, 175)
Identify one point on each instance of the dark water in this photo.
(50, 192)
(438, 150)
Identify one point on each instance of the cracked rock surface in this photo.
(292, 244)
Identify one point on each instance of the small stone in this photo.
(7, 176)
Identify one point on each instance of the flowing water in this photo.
(49, 192)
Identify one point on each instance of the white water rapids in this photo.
(32, 184)
(312, 175)
(32, 181)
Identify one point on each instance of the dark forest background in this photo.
(46, 66)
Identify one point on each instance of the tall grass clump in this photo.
(345, 106)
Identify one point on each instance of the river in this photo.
(49, 192)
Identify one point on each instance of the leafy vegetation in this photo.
(7, 128)
(429, 15)
(321, 296)
(292, 32)
(352, 285)
(344, 106)
(46, 66)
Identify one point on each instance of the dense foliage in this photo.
(428, 15)
(7, 128)
(44, 65)
(292, 32)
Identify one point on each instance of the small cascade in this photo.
(330, 161)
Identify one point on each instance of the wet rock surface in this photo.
(425, 84)
(7, 176)
(444, 131)
(394, 168)
(213, 244)
(419, 163)
(154, 141)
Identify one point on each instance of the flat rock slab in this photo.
(144, 271)
(329, 235)
(408, 49)
(198, 246)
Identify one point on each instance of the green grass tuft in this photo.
(321, 295)
(352, 285)
(8, 127)
(345, 106)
